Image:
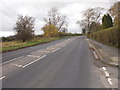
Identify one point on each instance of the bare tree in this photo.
(115, 12)
(54, 17)
(90, 15)
(24, 28)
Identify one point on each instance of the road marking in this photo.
(65, 45)
(107, 74)
(17, 65)
(90, 45)
(33, 61)
(110, 81)
(33, 56)
(104, 68)
(12, 60)
(95, 55)
(50, 47)
(55, 50)
(2, 77)
(97, 52)
(33, 52)
(42, 51)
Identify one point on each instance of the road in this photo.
(65, 63)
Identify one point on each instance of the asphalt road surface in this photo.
(65, 63)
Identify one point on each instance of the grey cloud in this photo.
(39, 9)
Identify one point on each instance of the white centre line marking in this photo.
(2, 77)
(33, 61)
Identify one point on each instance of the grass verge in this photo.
(14, 45)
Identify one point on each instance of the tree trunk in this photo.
(23, 40)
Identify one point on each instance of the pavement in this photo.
(66, 63)
(108, 59)
(109, 54)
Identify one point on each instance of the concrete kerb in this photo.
(100, 57)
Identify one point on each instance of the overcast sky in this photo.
(39, 9)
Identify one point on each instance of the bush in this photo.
(107, 36)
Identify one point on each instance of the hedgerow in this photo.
(107, 36)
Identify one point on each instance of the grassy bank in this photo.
(107, 36)
(13, 45)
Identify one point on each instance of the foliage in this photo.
(13, 45)
(107, 21)
(50, 30)
(24, 28)
(107, 36)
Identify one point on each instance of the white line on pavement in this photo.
(33, 61)
(12, 60)
(2, 77)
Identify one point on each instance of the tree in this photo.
(115, 12)
(83, 30)
(50, 30)
(95, 26)
(89, 16)
(54, 17)
(107, 21)
(24, 28)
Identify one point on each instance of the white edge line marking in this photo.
(104, 68)
(97, 52)
(95, 55)
(33, 61)
(90, 45)
(2, 77)
(12, 60)
(107, 74)
(110, 82)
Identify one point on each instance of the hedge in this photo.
(107, 36)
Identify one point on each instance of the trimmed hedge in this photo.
(107, 36)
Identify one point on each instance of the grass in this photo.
(13, 45)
